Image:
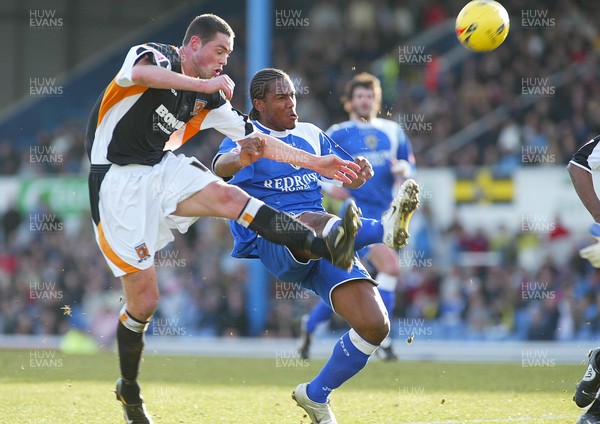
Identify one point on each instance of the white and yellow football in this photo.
(482, 25)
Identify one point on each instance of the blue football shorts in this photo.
(319, 275)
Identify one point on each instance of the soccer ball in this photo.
(482, 25)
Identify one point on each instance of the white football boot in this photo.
(319, 413)
(396, 219)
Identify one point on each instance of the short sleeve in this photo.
(135, 53)
(228, 121)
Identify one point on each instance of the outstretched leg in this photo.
(223, 200)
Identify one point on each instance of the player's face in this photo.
(362, 103)
(207, 60)
(279, 111)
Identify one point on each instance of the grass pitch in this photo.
(46, 387)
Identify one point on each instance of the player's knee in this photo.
(228, 196)
(382, 330)
(144, 306)
(375, 328)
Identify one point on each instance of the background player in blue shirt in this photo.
(295, 190)
(386, 146)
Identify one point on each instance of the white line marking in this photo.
(497, 420)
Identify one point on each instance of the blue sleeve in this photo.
(405, 150)
(330, 147)
(230, 146)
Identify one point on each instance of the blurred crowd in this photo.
(455, 283)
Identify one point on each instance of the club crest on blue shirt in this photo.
(371, 141)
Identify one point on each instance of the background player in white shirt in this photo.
(139, 191)
(386, 146)
(351, 293)
(584, 162)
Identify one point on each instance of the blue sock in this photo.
(371, 232)
(350, 355)
(389, 300)
(321, 312)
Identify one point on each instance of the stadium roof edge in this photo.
(8, 113)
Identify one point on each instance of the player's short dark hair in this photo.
(206, 28)
(259, 86)
(365, 80)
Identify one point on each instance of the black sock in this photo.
(131, 345)
(282, 228)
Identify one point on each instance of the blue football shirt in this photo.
(380, 141)
(280, 185)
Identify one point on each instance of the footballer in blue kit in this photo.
(385, 145)
(297, 191)
(292, 188)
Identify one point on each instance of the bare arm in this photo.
(228, 164)
(147, 74)
(584, 187)
(269, 147)
(329, 166)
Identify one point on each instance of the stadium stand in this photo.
(204, 290)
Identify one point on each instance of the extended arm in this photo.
(329, 166)
(147, 74)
